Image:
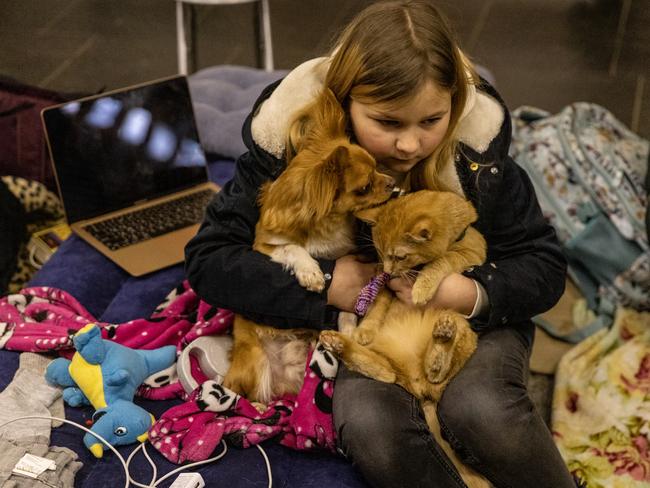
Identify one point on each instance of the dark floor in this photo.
(546, 53)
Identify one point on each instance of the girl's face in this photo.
(399, 136)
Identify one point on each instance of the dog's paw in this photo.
(311, 278)
(444, 329)
(332, 341)
(363, 336)
(260, 407)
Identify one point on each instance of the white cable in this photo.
(192, 465)
(153, 465)
(154, 482)
(268, 464)
(128, 464)
(125, 464)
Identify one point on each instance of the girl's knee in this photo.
(486, 424)
(375, 423)
(373, 443)
(365, 422)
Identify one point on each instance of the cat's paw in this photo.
(423, 290)
(332, 341)
(311, 277)
(445, 327)
(363, 336)
(435, 362)
(434, 365)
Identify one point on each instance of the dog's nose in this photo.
(390, 184)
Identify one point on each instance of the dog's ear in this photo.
(337, 159)
(369, 215)
(322, 184)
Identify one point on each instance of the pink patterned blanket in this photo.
(43, 319)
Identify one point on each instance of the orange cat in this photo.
(306, 213)
(418, 348)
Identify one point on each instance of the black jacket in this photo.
(524, 274)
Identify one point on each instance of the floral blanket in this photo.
(601, 405)
(45, 319)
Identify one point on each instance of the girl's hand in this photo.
(456, 292)
(350, 275)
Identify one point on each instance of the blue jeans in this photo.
(485, 414)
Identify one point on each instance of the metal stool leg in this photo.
(186, 32)
(181, 46)
(191, 37)
(185, 37)
(265, 34)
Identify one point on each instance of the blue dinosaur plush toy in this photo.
(105, 374)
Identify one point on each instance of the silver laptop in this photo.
(131, 172)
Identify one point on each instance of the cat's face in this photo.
(417, 228)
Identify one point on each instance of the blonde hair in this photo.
(385, 55)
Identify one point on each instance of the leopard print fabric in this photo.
(43, 209)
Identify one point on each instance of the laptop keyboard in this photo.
(147, 223)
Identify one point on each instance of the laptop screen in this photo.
(124, 147)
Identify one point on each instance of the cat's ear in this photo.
(421, 231)
(368, 215)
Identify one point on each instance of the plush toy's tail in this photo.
(89, 344)
(57, 373)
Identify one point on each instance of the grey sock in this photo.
(38, 364)
(57, 409)
(28, 394)
(67, 465)
(11, 454)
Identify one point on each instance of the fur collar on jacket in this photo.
(481, 122)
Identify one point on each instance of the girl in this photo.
(414, 102)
